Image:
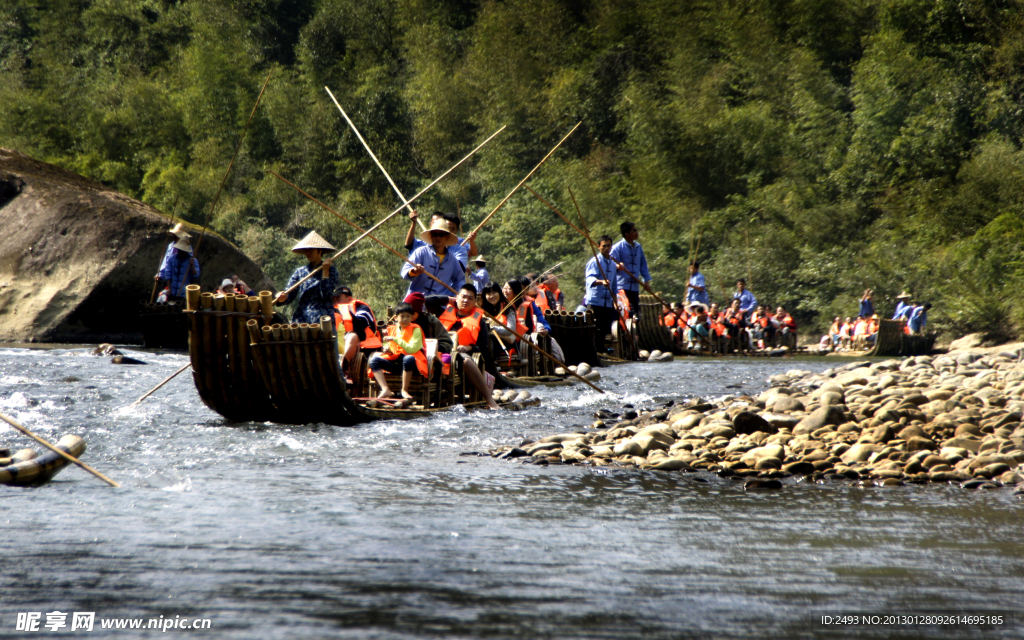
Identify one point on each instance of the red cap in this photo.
(416, 300)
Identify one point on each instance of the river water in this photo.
(386, 531)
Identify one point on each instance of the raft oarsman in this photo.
(437, 259)
(179, 267)
(315, 294)
(629, 256)
(601, 290)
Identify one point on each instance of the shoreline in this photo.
(945, 418)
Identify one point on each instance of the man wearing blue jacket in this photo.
(629, 255)
(601, 290)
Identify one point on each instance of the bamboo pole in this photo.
(396, 211)
(521, 183)
(434, 278)
(165, 381)
(64, 454)
(372, 155)
(224, 180)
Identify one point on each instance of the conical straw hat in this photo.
(313, 240)
(439, 225)
(183, 244)
(179, 230)
(479, 258)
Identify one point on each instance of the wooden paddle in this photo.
(165, 381)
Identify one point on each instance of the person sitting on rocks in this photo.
(403, 352)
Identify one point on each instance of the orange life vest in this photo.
(470, 331)
(343, 316)
(421, 356)
(524, 313)
(542, 300)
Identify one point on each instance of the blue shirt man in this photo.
(438, 260)
(601, 291)
(696, 290)
(903, 306)
(480, 277)
(630, 255)
(600, 295)
(315, 294)
(747, 300)
(179, 268)
(867, 307)
(918, 318)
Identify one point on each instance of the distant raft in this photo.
(25, 468)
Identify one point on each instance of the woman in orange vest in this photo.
(403, 351)
(360, 325)
(467, 323)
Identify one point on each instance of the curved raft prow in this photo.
(249, 370)
(37, 470)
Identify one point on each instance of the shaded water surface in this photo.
(385, 531)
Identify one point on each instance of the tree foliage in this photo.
(817, 147)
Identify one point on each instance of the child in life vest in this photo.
(403, 351)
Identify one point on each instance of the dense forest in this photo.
(816, 147)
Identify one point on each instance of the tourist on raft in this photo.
(601, 290)
(359, 324)
(494, 303)
(403, 352)
(519, 311)
(429, 324)
(697, 335)
(233, 285)
(554, 298)
(629, 256)
(531, 293)
(315, 294)
(178, 268)
(436, 259)
(471, 330)
(479, 275)
(696, 289)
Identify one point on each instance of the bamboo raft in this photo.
(163, 325)
(249, 369)
(892, 341)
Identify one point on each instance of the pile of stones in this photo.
(921, 419)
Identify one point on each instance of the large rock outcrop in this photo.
(76, 257)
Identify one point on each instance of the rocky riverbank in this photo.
(952, 418)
